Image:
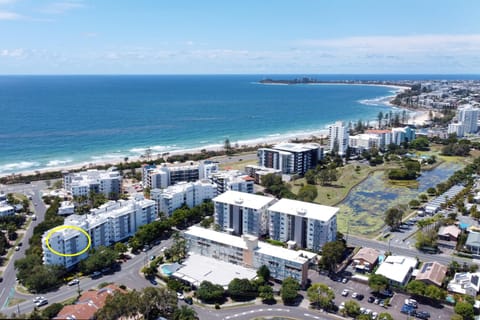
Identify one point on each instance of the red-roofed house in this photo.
(88, 303)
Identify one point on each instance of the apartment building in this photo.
(384, 136)
(468, 116)
(107, 182)
(242, 213)
(364, 141)
(290, 158)
(234, 180)
(338, 135)
(401, 135)
(183, 193)
(307, 224)
(166, 175)
(456, 128)
(112, 222)
(248, 252)
(258, 172)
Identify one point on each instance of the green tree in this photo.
(264, 273)
(99, 258)
(185, 313)
(156, 301)
(431, 191)
(385, 316)
(307, 193)
(242, 290)
(423, 197)
(420, 143)
(393, 217)
(464, 309)
(352, 308)
(210, 293)
(416, 287)
(434, 292)
(52, 310)
(266, 294)
(120, 248)
(377, 282)
(414, 204)
(311, 177)
(320, 295)
(289, 290)
(332, 254)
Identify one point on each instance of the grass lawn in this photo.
(240, 165)
(15, 301)
(332, 194)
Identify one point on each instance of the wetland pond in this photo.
(366, 204)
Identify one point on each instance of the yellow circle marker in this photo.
(49, 234)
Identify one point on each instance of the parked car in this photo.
(188, 300)
(180, 296)
(17, 248)
(344, 280)
(408, 309)
(354, 295)
(96, 274)
(152, 257)
(371, 299)
(345, 292)
(422, 314)
(153, 281)
(411, 302)
(360, 297)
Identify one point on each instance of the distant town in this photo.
(258, 231)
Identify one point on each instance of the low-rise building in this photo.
(465, 283)
(247, 251)
(397, 269)
(473, 242)
(66, 208)
(88, 303)
(6, 210)
(233, 180)
(258, 172)
(448, 236)
(366, 259)
(432, 273)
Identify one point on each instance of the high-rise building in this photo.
(112, 222)
(291, 158)
(307, 224)
(468, 116)
(242, 213)
(456, 128)
(338, 135)
(183, 193)
(234, 180)
(401, 135)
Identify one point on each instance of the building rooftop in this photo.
(368, 254)
(216, 236)
(397, 268)
(296, 147)
(243, 199)
(197, 268)
(305, 209)
(473, 239)
(432, 271)
(452, 230)
(283, 253)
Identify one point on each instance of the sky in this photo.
(239, 37)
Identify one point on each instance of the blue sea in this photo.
(50, 121)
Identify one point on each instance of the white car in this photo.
(41, 303)
(374, 315)
(345, 292)
(73, 282)
(38, 299)
(180, 296)
(354, 295)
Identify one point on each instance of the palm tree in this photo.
(185, 313)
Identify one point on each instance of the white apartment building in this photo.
(242, 213)
(401, 135)
(456, 128)
(384, 136)
(66, 208)
(112, 222)
(338, 135)
(188, 193)
(166, 175)
(364, 141)
(468, 116)
(234, 180)
(108, 182)
(247, 251)
(309, 225)
(291, 158)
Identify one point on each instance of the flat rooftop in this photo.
(243, 199)
(304, 209)
(196, 269)
(216, 236)
(295, 147)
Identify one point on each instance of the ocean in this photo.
(50, 121)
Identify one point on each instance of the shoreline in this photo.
(99, 160)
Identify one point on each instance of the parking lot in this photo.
(396, 302)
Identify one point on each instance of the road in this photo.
(7, 290)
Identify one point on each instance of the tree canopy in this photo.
(289, 290)
(321, 295)
(210, 293)
(377, 282)
(242, 290)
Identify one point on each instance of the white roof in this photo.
(305, 209)
(216, 236)
(243, 199)
(295, 147)
(397, 268)
(282, 253)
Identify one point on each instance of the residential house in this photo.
(432, 273)
(465, 283)
(366, 259)
(397, 269)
